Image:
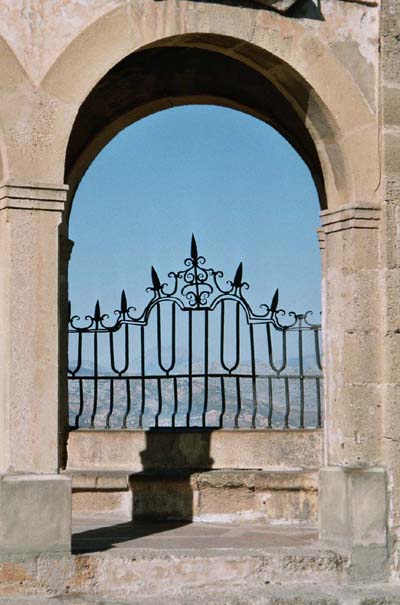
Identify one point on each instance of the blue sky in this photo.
(225, 176)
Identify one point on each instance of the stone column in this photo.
(35, 501)
(390, 115)
(353, 492)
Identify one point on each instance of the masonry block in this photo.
(35, 514)
(353, 516)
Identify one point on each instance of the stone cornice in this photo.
(364, 216)
(30, 196)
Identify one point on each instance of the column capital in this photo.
(33, 196)
(362, 216)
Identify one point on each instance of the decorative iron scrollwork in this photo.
(196, 287)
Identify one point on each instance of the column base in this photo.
(35, 514)
(353, 517)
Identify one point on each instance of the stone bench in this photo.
(218, 495)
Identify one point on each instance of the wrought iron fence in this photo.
(198, 355)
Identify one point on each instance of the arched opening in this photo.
(250, 200)
(158, 78)
(143, 84)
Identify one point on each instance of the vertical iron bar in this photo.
(190, 367)
(237, 362)
(175, 402)
(173, 339)
(79, 360)
(142, 371)
(270, 402)
(253, 377)
(222, 337)
(126, 366)
(222, 343)
(95, 380)
(128, 403)
(159, 392)
(223, 403)
(110, 411)
(159, 344)
(317, 350)
(163, 367)
(319, 415)
(81, 403)
(112, 357)
(239, 402)
(270, 351)
(205, 403)
(287, 399)
(301, 373)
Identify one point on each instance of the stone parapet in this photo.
(137, 450)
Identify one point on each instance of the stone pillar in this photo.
(390, 116)
(353, 484)
(35, 501)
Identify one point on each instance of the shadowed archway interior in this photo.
(161, 77)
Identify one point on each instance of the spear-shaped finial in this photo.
(97, 312)
(124, 304)
(193, 249)
(156, 280)
(237, 280)
(274, 303)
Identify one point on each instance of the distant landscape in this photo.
(214, 402)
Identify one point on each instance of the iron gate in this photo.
(198, 355)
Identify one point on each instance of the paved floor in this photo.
(90, 535)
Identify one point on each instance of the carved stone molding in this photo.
(33, 196)
(365, 216)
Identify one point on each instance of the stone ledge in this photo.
(33, 196)
(365, 216)
(217, 478)
(225, 495)
(92, 480)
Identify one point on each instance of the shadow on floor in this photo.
(104, 538)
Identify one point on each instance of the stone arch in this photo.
(157, 78)
(335, 131)
(13, 77)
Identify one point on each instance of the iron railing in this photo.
(198, 355)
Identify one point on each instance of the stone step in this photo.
(292, 594)
(123, 573)
(118, 562)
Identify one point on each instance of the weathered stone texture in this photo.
(320, 65)
(244, 449)
(35, 514)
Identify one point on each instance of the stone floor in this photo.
(92, 535)
(115, 562)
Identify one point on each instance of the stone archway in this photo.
(61, 118)
(159, 77)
